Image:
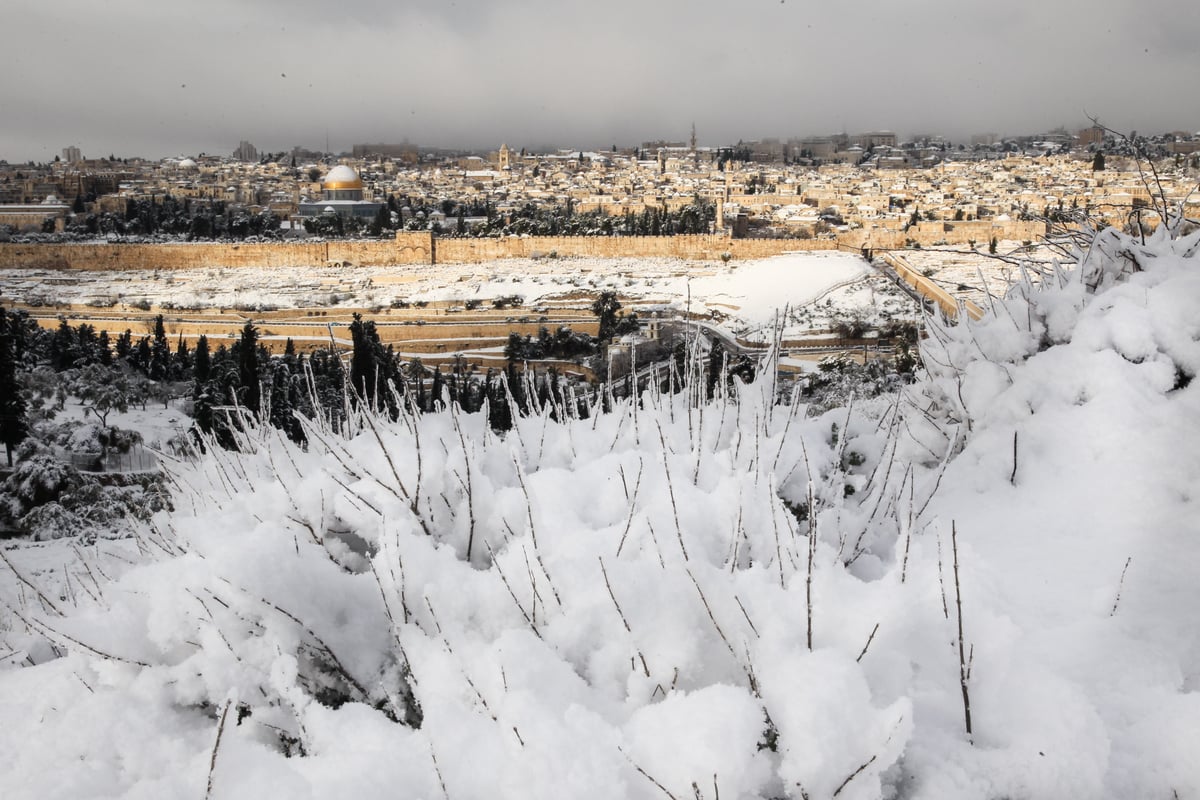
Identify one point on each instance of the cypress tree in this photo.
(435, 393)
(14, 425)
(141, 356)
(125, 345)
(105, 349)
(62, 347)
(202, 367)
(160, 352)
(248, 369)
(372, 367)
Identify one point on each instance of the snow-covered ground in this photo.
(974, 274)
(157, 424)
(695, 600)
(748, 294)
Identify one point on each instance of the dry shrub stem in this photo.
(964, 674)
(212, 762)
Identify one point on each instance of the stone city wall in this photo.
(708, 247)
(425, 248)
(930, 234)
(406, 248)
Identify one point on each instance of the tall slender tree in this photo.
(248, 369)
(14, 424)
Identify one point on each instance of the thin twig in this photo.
(212, 762)
(870, 639)
(1120, 586)
(646, 775)
(963, 675)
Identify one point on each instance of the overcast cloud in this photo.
(159, 77)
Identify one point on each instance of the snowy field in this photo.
(983, 588)
(745, 295)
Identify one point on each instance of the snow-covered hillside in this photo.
(680, 598)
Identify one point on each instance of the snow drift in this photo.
(681, 598)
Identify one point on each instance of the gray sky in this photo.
(167, 77)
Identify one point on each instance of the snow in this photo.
(620, 606)
(341, 174)
(748, 292)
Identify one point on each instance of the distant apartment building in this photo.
(246, 152)
(874, 139)
(813, 147)
(1090, 136)
(71, 155)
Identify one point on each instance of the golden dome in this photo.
(341, 177)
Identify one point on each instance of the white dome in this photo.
(342, 174)
(187, 163)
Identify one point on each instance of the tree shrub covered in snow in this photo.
(48, 498)
(683, 597)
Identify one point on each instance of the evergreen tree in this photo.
(435, 392)
(160, 352)
(372, 368)
(140, 358)
(328, 387)
(282, 408)
(105, 349)
(202, 367)
(14, 425)
(248, 369)
(606, 307)
(1098, 162)
(416, 371)
(63, 352)
(125, 345)
(181, 361)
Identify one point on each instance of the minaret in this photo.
(695, 154)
